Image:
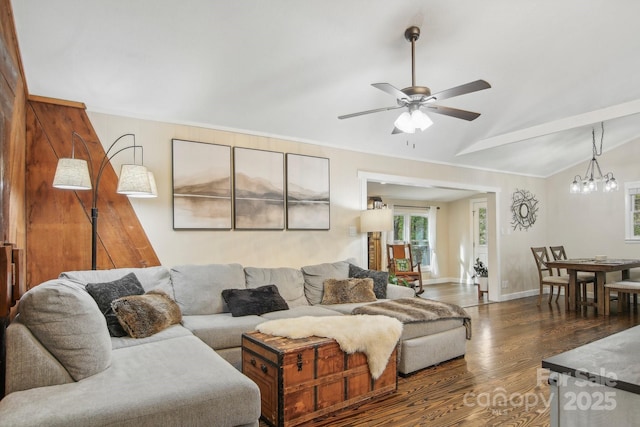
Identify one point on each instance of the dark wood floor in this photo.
(503, 361)
(464, 295)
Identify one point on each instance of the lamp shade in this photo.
(134, 181)
(72, 174)
(375, 220)
(154, 189)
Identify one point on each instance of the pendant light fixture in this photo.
(593, 177)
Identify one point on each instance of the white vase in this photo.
(483, 283)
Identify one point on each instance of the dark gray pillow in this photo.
(105, 293)
(380, 279)
(263, 299)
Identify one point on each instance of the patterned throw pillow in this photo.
(402, 264)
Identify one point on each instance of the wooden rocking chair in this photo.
(401, 264)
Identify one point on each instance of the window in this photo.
(413, 227)
(632, 211)
(482, 226)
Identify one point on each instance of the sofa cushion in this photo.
(302, 310)
(69, 324)
(175, 382)
(398, 291)
(263, 299)
(149, 277)
(290, 282)
(172, 331)
(422, 329)
(380, 279)
(348, 290)
(198, 288)
(39, 369)
(144, 315)
(222, 330)
(105, 293)
(315, 275)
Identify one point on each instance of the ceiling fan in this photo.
(415, 98)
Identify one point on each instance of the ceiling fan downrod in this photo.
(412, 34)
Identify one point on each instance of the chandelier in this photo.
(593, 176)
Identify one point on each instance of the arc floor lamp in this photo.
(135, 180)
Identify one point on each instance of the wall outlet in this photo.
(505, 284)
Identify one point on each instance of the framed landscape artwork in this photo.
(308, 202)
(259, 189)
(201, 185)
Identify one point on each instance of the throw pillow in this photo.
(380, 279)
(315, 275)
(105, 293)
(144, 315)
(348, 291)
(402, 264)
(263, 299)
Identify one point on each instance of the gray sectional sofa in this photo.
(63, 368)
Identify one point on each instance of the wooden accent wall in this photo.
(53, 225)
(12, 169)
(12, 133)
(59, 227)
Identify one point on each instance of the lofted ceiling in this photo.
(289, 68)
(417, 193)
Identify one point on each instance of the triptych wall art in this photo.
(217, 188)
(202, 195)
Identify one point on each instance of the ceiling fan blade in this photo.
(396, 131)
(461, 90)
(453, 112)
(377, 110)
(391, 90)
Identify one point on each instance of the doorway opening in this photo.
(455, 244)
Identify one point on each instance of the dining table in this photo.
(600, 268)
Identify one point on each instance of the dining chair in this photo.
(583, 277)
(546, 277)
(624, 288)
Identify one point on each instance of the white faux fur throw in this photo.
(375, 336)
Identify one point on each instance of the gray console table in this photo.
(597, 384)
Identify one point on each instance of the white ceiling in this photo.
(288, 68)
(418, 193)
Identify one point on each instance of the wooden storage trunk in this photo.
(302, 379)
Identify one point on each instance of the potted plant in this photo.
(481, 275)
(393, 279)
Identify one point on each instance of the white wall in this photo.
(298, 248)
(593, 224)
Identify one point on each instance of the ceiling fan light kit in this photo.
(410, 122)
(414, 98)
